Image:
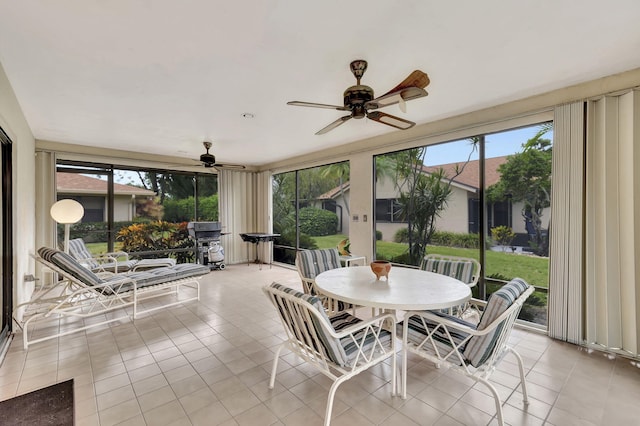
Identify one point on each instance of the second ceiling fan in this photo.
(360, 102)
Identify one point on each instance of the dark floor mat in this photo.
(52, 405)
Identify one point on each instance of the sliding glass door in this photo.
(485, 197)
(6, 240)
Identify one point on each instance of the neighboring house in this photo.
(92, 194)
(461, 215)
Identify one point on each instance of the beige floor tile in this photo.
(209, 363)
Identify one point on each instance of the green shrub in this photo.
(378, 235)
(317, 222)
(401, 236)
(159, 236)
(454, 239)
(502, 235)
(91, 232)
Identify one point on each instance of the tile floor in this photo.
(208, 363)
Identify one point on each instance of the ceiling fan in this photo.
(359, 100)
(208, 160)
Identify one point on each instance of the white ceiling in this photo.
(163, 75)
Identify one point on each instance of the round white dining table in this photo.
(405, 289)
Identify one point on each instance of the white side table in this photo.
(352, 260)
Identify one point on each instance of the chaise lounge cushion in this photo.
(142, 279)
(79, 250)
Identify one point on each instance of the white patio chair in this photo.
(82, 294)
(339, 347)
(113, 262)
(465, 348)
(310, 263)
(464, 269)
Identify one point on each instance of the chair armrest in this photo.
(117, 254)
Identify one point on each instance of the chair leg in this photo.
(523, 382)
(332, 394)
(496, 398)
(272, 381)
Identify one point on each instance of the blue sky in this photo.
(496, 145)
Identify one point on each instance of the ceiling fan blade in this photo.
(390, 120)
(315, 105)
(416, 79)
(392, 98)
(333, 125)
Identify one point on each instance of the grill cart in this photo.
(207, 238)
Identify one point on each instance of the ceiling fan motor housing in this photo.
(355, 97)
(208, 160)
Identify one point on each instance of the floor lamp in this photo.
(67, 212)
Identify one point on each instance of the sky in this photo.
(496, 145)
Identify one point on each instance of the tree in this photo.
(526, 177)
(423, 195)
(338, 171)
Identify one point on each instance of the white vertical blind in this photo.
(567, 236)
(237, 213)
(612, 210)
(45, 198)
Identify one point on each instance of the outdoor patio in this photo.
(208, 363)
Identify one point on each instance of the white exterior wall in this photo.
(13, 122)
(455, 218)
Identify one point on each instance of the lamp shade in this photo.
(67, 211)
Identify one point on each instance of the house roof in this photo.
(75, 183)
(470, 175)
(469, 178)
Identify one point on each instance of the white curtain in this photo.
(612, 212)
(567, 239)
(237, 201)
(45, 198)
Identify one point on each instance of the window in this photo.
(310, 209)
(485, 197)
(115, 198)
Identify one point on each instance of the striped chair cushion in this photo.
(313, 262)
(152, 263)
(157, 276)
(417, 333)
(80, 252)
(332, 346)
(459, 269)
(341, 351)
(343, 320)
(480, 348)
(69, 265)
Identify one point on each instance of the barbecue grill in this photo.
(207, 238)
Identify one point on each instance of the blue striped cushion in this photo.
(313, 262)
(152, 263)
(332, 346)
(417, 333)
(69, 265)
(459, 269)
(157, 276)
(343, 320)
(479, 348)
(80, 252)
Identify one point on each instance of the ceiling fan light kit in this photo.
(360, 102)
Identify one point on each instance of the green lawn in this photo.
(533, 269)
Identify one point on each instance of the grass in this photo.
(533, 269)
